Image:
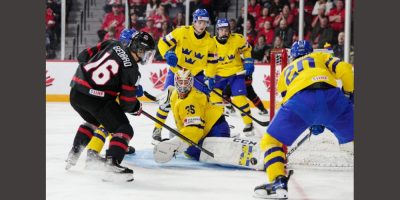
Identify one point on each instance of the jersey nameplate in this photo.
(124, 57)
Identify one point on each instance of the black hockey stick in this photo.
(178, 134)
(298, 144)
(149, 96)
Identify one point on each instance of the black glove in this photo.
(137, 110)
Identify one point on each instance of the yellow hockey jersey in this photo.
(229, 59)
(193, 54)
(194, 115)
(312, 68)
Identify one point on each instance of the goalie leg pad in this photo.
(242, 152)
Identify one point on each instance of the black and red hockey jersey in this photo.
(106, 71)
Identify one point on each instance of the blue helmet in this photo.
(201, 14)
(126, 36)
(301, 48)
(222, 22)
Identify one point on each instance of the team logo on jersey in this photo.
(158, 80)
(49, 80)
(198, 55)
(231, 57)
(192, 121)
(189, 60)
(186, 51)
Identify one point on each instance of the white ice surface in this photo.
(179, 179)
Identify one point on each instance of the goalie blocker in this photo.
(240, 152)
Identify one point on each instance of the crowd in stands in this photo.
(53, 25)
(270, 23)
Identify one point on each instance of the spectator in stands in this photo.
(276, 8)
(264, 17)
(293, 8)
(318, 18)
(338, 49)
(278, 44)
(325, 3)
(321, 35)
(285, 14)
(240, 21)
(151, 7)
(179, 20)
(254, 8)
(114, 20)
(138, 7)
(337, 16)
(251, 33)
(110, 35)
(159, 17)
(149, 28)
(234, 27)
(286, 33)
(268, 32)
(135, 22)
(260, 49)
(108, 7)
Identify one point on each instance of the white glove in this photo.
(164, 151)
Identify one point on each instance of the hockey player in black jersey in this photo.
(106, 72)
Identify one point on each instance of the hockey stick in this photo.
(298, 144)
(178, 134)
(266, 123)
(149, 96)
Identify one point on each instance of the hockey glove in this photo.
(317, 129)
(166, 150)
(249, 65)
(210, 82)
(137, 110)
(139, 91)
(171, 58)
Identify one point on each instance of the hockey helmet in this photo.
(300, 48)
(126, 36)
(144, 44)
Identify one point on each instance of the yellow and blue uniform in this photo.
(229, 63)
(308, 86)
(196, 118)
(197, 54)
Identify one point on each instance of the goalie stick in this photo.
(178, 134)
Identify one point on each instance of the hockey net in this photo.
(321, 151)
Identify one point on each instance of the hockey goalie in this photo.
(204, 123)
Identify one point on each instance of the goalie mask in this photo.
(183, 82)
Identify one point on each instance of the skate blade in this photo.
(263, 194)
(113, 177)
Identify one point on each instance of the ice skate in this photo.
(276, 190)
(156, 136)
(130, 150)
(229, 110)
(116, 172)
(94, 161)
(248, 130)
(73, 157)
